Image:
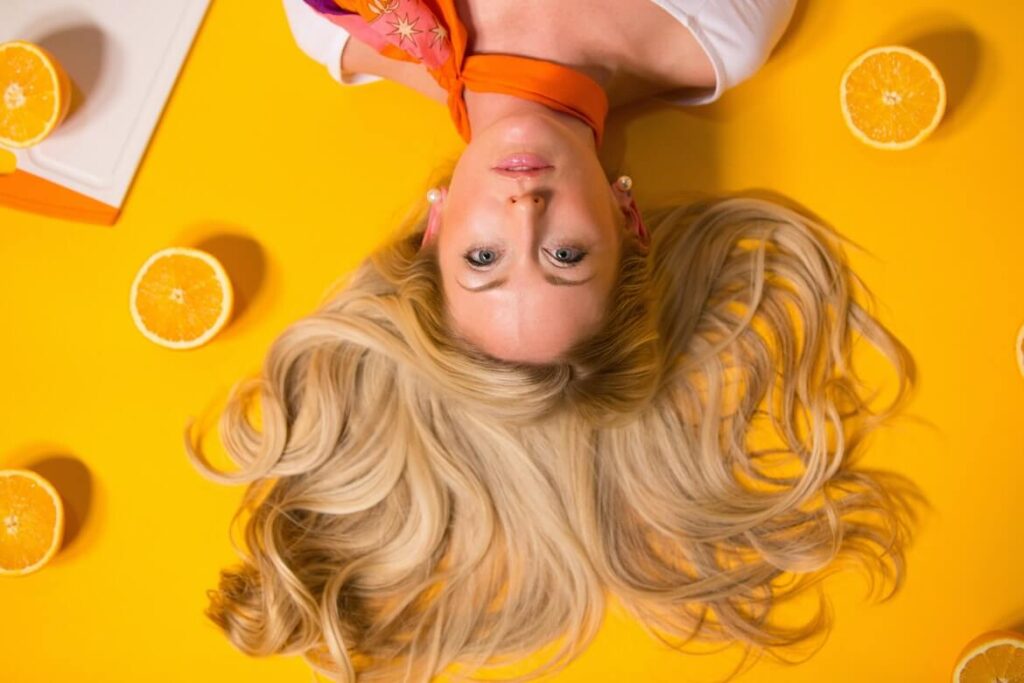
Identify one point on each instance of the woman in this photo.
(529, 229)
(537, 396)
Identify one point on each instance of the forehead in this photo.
(529, 320)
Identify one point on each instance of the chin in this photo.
(542, 130)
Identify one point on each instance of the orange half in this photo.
(892, 97)
(35, 93)
(1019, 350)
(181, 297)
(992, 657)
(31, 522)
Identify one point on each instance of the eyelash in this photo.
(568, 264)
(468, 256)
(582, 253)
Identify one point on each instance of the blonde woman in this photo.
(530, 227)
(538, 397)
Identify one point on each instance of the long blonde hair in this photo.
(413, 504)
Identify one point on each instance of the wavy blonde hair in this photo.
(413, 504)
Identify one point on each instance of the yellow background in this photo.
(261, 158)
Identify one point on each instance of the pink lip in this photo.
(522, 165)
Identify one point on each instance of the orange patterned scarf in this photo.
(430, 32)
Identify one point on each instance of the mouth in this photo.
(522, 165)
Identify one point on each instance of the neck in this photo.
(485, 109)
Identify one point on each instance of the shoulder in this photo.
(736, 35)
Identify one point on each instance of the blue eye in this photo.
(481, 257)
(568, 255)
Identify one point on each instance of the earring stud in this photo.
(624, 183)
(433, 194)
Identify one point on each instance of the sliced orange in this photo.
(892, 97)
(35, 93)
(1020, 349)
(31, 522)
(992, 657)
(181, 297)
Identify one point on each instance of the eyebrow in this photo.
(553, 279)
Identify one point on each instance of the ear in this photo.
(434, 218)
(634, 219)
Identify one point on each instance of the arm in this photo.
(351, 62)
(358, 57)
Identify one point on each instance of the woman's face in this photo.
(530, 238)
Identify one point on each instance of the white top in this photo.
(737, 36)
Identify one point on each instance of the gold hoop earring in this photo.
(624, 183)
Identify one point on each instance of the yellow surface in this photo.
(261, 157)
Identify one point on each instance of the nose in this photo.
(532, 202)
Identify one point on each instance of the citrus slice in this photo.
(31, 522)
(1020, 349)
(892, 97)
(181, 297)
(35, 93)
(992, 657)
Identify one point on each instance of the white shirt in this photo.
(737, 36)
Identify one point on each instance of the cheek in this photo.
(453, 231)
(470, 169)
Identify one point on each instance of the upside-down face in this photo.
(529, 239)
